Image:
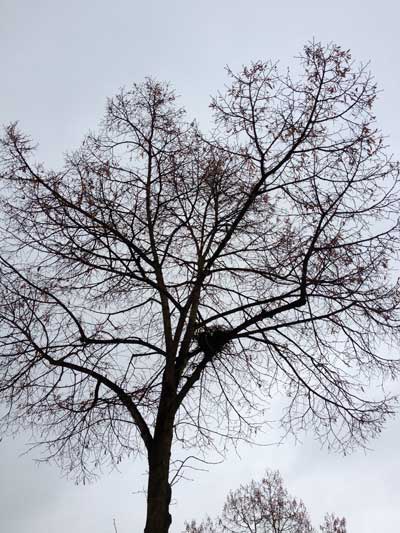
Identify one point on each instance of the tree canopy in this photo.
(165, 283)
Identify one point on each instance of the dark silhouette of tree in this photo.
(164, 284)
(265, 507)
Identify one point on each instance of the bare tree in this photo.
(333, 524)
(163, 284)
(265, 507)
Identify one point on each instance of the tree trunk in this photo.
(158, 518)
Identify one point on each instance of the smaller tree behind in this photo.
(333, 524)
(265, 506)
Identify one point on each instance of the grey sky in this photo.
(60, 60)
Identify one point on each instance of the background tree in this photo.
(164, 284)
(265, 507)
(333, 524)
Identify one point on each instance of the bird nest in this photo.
(214, 341)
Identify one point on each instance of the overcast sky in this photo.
(60, 60)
